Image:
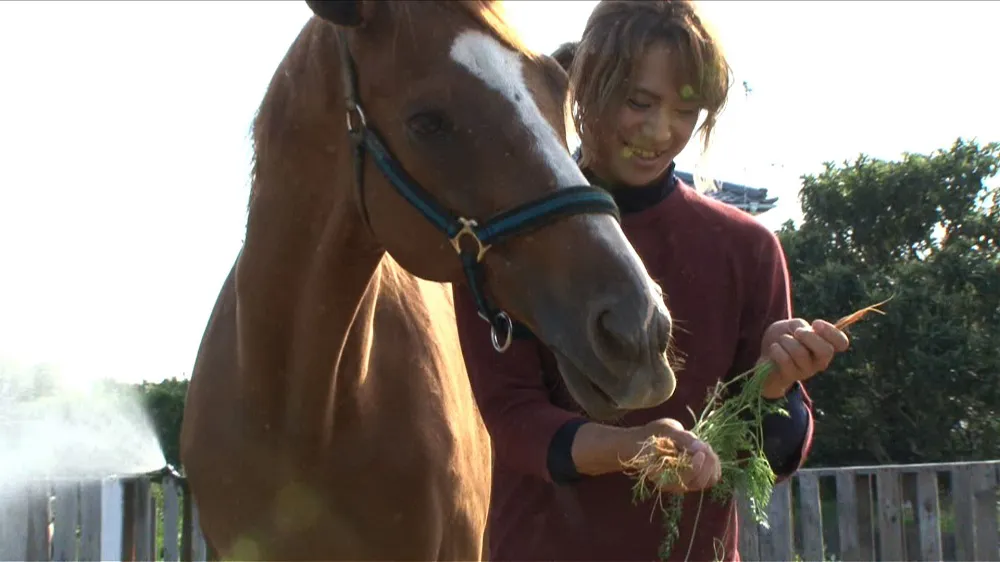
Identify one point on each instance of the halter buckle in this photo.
(356, 122)
(468, 226)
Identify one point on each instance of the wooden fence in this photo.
(122, 520)
(895, 512)
(891, 512)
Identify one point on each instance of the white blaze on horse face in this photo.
(501, 69)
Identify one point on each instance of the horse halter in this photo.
(516, 221)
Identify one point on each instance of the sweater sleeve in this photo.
(510, 391)
(787, 439)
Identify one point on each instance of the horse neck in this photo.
(307, 276)
(306, 286)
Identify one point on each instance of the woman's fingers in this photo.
(835, 337)
(821, 350)
(703, 470)
(782, 359)
(799, 354)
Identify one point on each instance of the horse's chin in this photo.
(594, 401)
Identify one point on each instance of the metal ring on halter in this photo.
(510, 333)
(355, 109)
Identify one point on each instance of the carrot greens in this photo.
(731, 422)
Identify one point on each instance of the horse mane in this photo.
(301, 77)
(491, 16)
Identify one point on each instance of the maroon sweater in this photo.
(726, 280)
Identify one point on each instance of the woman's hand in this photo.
(799, 351)
(704, 470)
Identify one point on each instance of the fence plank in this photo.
(171, 517)
(847, 517)
(929, 515)
(890, 517)
(811, 517)
(962, 503)
(776, 542)
(112, 519)
(142, 523)
(90, 521)
(749, 545)
(198, 553)
(984, 491)
(15, 512)
(867, 520)
(66, 518)
(39, 546)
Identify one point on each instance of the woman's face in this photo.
(651, 127)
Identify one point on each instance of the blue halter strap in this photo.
(482, 235)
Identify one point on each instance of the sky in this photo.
(125, 156)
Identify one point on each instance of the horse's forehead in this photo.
(490, 61)
(501, 69)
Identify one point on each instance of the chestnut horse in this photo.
(329, 414)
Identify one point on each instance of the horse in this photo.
(401, 147)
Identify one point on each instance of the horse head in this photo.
(462, 174)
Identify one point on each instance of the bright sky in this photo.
(124, 152)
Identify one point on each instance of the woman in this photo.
(641, 76)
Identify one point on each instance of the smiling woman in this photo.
(664, 77)
(641, 77)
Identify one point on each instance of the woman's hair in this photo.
(614, 41)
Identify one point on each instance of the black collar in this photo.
(638, 198)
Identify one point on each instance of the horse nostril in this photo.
(614, 336)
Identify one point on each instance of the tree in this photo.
(165, 403)
(921, 384)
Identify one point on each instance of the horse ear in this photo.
(346, 13)
(565, 54)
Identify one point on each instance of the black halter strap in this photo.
(483, 235)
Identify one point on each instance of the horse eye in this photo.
(427, 123)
